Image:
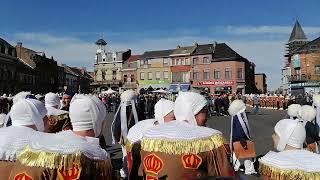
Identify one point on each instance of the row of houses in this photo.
(24, 69)
(214, 67)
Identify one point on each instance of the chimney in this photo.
(19, 44)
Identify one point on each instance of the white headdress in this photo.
(20, 95)
(85, 114)
(293, 110)
(236, 108)
(291, 133)
(52, 103)
(28, 112)
(127, 99)
(307, 113)
(162, 108)
(187, 105)
(135, 133)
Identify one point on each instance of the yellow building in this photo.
(154, 70)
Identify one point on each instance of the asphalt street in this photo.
(261, 126)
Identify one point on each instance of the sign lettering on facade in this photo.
(216, 83)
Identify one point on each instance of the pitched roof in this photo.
(133, 58)
(203, 49)
(313, 45)
(183, 51)
(155, 54)
(2, 41)
(297, 33)
(101, 42)
(224, 52)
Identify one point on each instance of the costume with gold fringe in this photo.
(58, 120)
(290, 165)
(178, 150)
(65, 155)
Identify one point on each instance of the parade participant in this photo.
(58, 120)
(27, 117)
(184, 149)
(291, 162)
(125, 117)
(66, 99)
(69, 154)
(256, 102)
(293, 111)
(307, 114)
(163, 114)
(241, 143)
(2, 119)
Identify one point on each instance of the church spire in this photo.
(297, 33)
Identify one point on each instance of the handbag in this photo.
(242, 153)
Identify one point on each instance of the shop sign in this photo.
(148, 82)
(216, 83)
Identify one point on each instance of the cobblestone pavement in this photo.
(261, 126)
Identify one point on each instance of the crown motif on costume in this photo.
(153, 164)
(148, 177)
(23, 176)
(71, 174)
(191, 161)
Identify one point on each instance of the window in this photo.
(165, 62)
(142, 76)
(182, 62)
(173, 62)
(228, 73)
(195, 75)
(150, 75)
(206, 60)
(187, 60)
(217, 74)
(149, 61)
(114, 75)
(166, 75)
(195, 60)
(317, 69)
(132, 78)
(177, 62)
(125, 78)
(239, 73)
(142, 62)
(158, 75)
(206, 74)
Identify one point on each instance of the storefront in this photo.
(155, 84)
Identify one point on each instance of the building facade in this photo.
(108, 66)
(154, 70)
(129, 72)
(220, 70)
(261, 83)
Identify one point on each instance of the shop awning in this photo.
(179, 87)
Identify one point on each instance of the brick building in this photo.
(220, 69)
(129, 72)
(261, 82)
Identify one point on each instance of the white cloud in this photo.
(245, 30)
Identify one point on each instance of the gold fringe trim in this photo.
(128, 146)
(59, 117)
(182, 147)
(51, 160)
(274, 173)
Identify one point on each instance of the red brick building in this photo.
(220, 69)
(129, 72)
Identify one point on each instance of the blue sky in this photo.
(67, 30)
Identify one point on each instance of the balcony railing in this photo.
(303, 78)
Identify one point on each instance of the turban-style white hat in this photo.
(162, 108)
(20, 95)
(307, 113)
(27, 112)
(291, 133)
(187, 105)
(293, 110)
(52, 100)
(86, 113)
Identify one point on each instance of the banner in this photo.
(216, 83)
